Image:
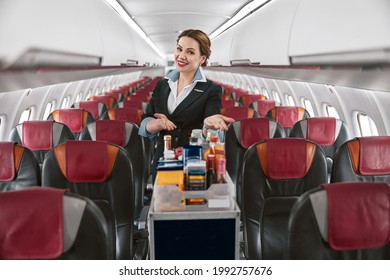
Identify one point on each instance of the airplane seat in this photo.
(363, 159)
(327, 132)
(102, 172)
(132, 104)
(19, 168)
(73, 118)
(247, 99)
(287, 116)
(239, 137)
(239, 113)
(262, 106)
(40, 136)
(341, 221)
(117, 94)
(275, 173)
(48, 223)
(96, 108)
(124, 134)
(131, 114)
(110, 101)
(228, 103)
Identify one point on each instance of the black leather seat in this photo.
(124, 134)
(239, 137)
(74, 118)
(341, 221)
(102, 172)
(287, 116)
(19, 168)
(40, 136)
(47, 223)
(327, 132)
(363, 159)
(275, 173)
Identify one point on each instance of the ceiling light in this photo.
(127, 18)
(245, 11)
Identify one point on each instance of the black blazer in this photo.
(203, 101)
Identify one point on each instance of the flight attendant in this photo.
(185, 99)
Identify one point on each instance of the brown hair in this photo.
(203, 40)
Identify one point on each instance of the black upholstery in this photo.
(329, 133)
(363, 159)
(40, 136)
(19, 168)
(341, 221)
(287, 116)
(239, 136)
(124, 134)
(104, 175)
(275, 173)
(46, 223)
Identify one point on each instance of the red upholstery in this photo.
(358, 217)
(247, 99)
(286, 158)
(7, 160)
(321, 130)
(287, 116)
(238, 113)
(81, 155)
(110, 101)
(374, 155)
(111, 131)
(253, 130)
(37, 135)
(132, 103)
(73, 118)
(91, 106)
(45, 237)
(263, 106)
(228, 103)
(126, 114)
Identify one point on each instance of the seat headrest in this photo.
(239, 113)
(253, 130)
(321, 130)
(358, 215)
(370, 155)
(10, 156)
(37, 135)
(132, 103)
(86, 161)
(264, 106)
(91, 106)
(127, 114)
(31, 224)
(108, 100)
(112, 131)
(286, 158)
(73, 118)
(287, 116)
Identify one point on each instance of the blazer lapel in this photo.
(196, 93)
(164, 98)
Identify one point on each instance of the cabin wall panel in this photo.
(383, 102)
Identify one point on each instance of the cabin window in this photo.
(264, 92)
(331, 111)
(47, 112)
(78, 97)
(276, 97)
(89, 94)
(290, 100)
(367, 126)
(97, 91)
(65, 102)
(308, 106)
(25, 115)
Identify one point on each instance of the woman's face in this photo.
(187, 55)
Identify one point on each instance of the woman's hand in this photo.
(217, 122)
(160, 123)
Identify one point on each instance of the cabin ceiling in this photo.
(162, 21)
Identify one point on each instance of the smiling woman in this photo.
(185, 98)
